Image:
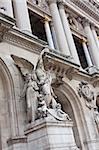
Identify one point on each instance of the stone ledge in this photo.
(41, 123)
(16, 140)
(6, 23)
(60, 64)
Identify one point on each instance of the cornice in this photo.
(38, 9)
(6, 23)
(84, 10)
(88, 8)
(30, 43)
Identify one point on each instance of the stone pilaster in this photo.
(6, 7)
(95, 35)
(92, 44)
(88, 58)
(22, 16)
(62, 42)
(48, 33)
(54, 36)
(68, 33)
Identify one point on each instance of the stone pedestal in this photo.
(47, 134)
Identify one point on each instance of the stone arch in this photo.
(8, 97)
(68, 97)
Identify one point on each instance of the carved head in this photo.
(28, 77)
(58, 106)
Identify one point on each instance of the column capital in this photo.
(46, 18)
(85, 22)
(51, 1)
(61, 2)
(92, 26)
(84, 40)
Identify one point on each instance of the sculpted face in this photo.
(28, 77)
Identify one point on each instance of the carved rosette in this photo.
(85, 91)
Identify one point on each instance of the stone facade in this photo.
(49, 75)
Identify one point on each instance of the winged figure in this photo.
(30, 90)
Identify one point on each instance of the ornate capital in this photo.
(46, 18)
(92, 26)
(84, 40)
(85, 22)
(61, 3)
(51, 1)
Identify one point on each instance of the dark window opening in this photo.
(97, 102)
(80, 52)
(37, 26)
(13, 9)
(37, 2)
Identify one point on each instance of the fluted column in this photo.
(68, 33)
(6, 6)
(22, 16)
(95, 35)
(88, 58)
(93, 47)
(54, 36)
(63, 46)
(48, 33)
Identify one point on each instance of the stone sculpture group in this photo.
(41, 100)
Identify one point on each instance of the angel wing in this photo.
(24, 65)
(40, 58)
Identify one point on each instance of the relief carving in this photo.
(85, 91)
(40, 98)
(30, 90)
(96, 117)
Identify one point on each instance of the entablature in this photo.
(60, 64)
(41, 8)
(83, 10)
(6, 23)
(64, 67)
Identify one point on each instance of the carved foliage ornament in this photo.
(85, 91)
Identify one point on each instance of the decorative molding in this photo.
(22, 40)
(85, 91)
(41, 8)
(60, 65)
(95, 80)
(17, 139)
(6, 23)
(84, 10)
(89, 9)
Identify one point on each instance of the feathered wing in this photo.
(40, 58)
(24, 65)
